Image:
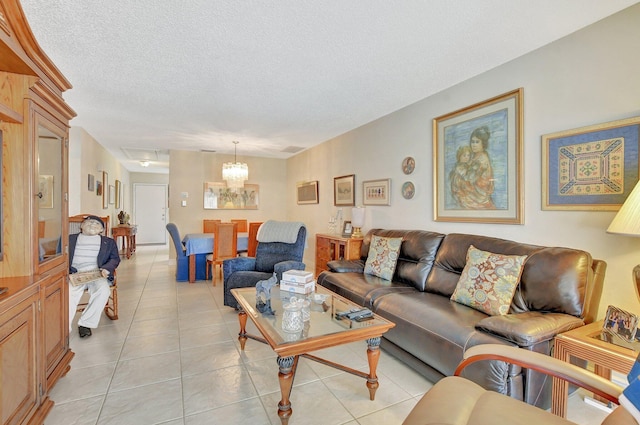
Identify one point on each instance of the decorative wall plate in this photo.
(408, 190)
(408, 165)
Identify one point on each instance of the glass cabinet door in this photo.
(50, 196)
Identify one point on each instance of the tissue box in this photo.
(298, 276)
(297, 287)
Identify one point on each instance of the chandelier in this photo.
(235, 173)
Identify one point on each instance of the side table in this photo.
(128, 234)
(335, 247)
(584, 343)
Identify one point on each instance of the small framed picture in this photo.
(307, 192)
(376, 192)
(344, 193)
(621, 323)
(347, 229)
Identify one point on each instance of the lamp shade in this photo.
(357, 217)
(627, 221)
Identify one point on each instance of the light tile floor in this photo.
(173, 358)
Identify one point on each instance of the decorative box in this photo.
(298, 276)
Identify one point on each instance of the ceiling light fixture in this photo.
(235, 173)
(145, 163)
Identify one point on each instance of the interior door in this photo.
(150, 212)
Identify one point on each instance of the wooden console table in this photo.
(583, 343)
(335, 247)
(128, 234)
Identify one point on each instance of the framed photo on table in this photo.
(344, 191)
(621, 323)
(591, 168)
(347, 229)
(477, 155)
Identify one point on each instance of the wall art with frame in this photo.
(307, 192)
(217, 196)
(344, 190)
(477, 155)
(376, 192)
(590, 168)
(105, 190)
(118, 194)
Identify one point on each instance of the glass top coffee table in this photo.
(322, 330)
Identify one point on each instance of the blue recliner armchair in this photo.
(271, 256)
(182, 261)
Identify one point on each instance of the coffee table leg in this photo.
(287, 372)
(373, 354)
(242, 336)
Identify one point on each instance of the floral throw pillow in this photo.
(383, 256)
(488, 281)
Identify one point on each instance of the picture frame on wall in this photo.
(592, 168)
(376, 192)
(344, 192)
(477, 153)
(91, 186)
(307, 192)
(112, 194)
(217, 196)
(105, 190)
(118, 194)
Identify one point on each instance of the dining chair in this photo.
(207, 225)
(242, 225)
(252, 245)
(111, 309)
(225, 246)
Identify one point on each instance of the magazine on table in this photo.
(81, 278)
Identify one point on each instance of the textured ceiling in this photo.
(276, 75)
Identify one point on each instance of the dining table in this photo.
(202, 243)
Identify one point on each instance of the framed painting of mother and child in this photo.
(478, 162)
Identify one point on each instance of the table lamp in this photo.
(627, 222)
(357, 221)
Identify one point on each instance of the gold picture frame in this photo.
(105, 190)
(344, 190)
(217, 196)
(118, 194)
(477, 154)
(592, 168)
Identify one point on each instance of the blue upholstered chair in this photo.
(182, 260)
(278, 257)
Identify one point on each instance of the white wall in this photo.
(586, 78)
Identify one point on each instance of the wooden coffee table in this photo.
(323, 330)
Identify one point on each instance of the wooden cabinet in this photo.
(335, 247)
(34, 128)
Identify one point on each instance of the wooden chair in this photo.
(111, 309)
(253, 238)
(225, 246)
(242, 225)
(207, 225)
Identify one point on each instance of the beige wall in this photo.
(189, 171)
(586, 78)
(87, 156)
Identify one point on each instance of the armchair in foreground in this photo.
(280, 248)
(459, 401)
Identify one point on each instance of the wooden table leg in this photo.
(126, 246)
(287, 372)
(242, 336)
(373, 354)
(192, 268)
(560, 387)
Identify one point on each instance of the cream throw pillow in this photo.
(488, 281)
(383, 256)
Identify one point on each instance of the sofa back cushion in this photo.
(416, 257)
(553, 279)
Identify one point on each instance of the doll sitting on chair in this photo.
(90, 251)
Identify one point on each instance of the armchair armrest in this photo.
(346, 266)
(529, 328)
(284, 266)
(543, 364)
(237, 264)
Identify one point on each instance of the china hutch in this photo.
(34, 128)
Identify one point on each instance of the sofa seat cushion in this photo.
(425, 320)
(360, 288)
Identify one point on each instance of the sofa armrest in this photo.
(346, 266)
(529, 328)
(238, 264)
(284, 266)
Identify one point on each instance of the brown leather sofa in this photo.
(559, 290)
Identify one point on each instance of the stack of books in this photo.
(297, 281)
